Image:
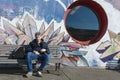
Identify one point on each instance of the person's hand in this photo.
(36, 52)
(43, 50)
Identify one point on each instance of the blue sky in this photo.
(82, 17)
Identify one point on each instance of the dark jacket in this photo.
(42, 45)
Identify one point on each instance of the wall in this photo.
(20, 19)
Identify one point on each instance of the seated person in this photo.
(40, 51)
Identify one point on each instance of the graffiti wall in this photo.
(21, 19)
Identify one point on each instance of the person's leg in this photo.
(45, 60)
(30, 56)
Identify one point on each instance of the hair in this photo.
(37, 33)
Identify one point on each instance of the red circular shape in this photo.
(100, 13)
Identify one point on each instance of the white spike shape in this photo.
(30, 27)
(57, 39)
(48, 32)
(42, 28)
(10, 29)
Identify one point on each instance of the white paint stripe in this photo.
(62, 4)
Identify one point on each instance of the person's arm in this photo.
(38, 49)
(35, 48)
(36, 52)
(45, 48)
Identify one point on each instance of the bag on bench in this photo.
(19, 53)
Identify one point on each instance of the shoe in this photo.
(29, 74)
(39, 74)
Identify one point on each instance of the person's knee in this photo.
(47, 57)
(29, 54)
(47, 60)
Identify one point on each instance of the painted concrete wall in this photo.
(20, 19)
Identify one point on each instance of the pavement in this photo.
(65, 73)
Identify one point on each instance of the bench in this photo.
(7, 61)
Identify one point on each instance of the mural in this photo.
(23, 33)
(115, 3)
(19, 23)
(72, 55)
(20, 19)
(110, 50)
(40, 9)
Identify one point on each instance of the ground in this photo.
(66, 73)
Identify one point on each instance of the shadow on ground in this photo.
(14, 71)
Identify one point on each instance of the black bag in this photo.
(19, 53)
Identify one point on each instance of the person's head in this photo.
(37, 36)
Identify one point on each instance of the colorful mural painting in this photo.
(23, 33)
(20, 19)
(110, 49)
(72, 56)
(19, 26)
